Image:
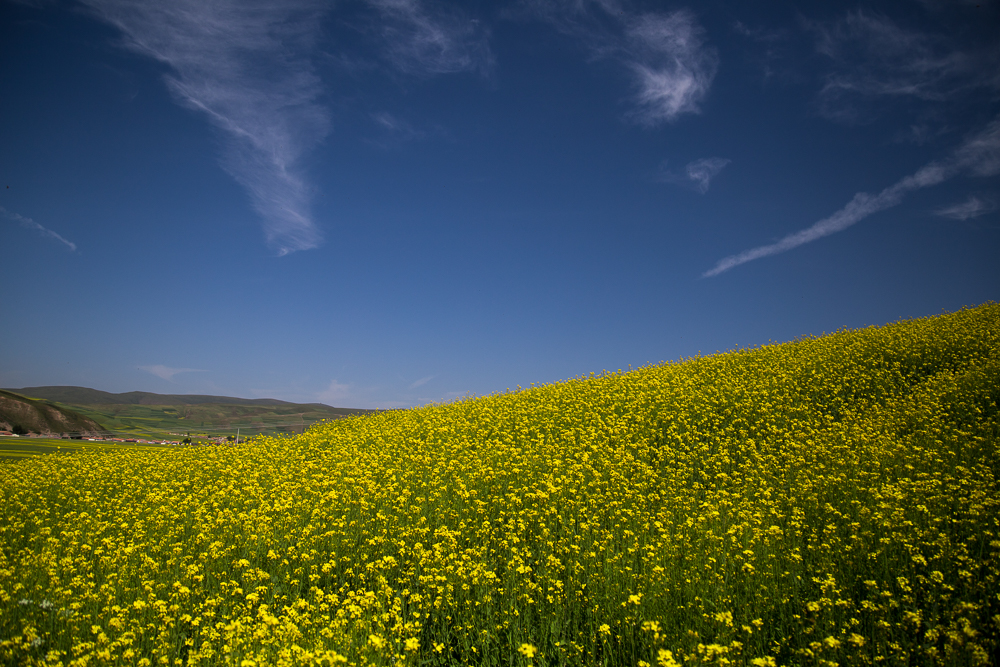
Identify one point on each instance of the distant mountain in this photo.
(86, 396)
(30, 415)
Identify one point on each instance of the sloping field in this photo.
(828, 501)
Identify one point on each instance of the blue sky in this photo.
(383, 203)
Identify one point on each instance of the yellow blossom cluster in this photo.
(828, 501)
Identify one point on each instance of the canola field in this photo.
(831, 501)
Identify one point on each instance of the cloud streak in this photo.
(979, 156)
(973, 207)
(672, 68)
(427, 41)
(243, 65)
(422, 381)
(168, 373)
(396, 127)
(28, 223)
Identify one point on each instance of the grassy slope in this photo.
(833, 500)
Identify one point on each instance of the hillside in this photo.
(85, 396)
(830, 501)
(41, 417)
(146, 414)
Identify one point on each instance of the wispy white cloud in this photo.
(391, 123)
(697, 174)
(978, 156)
(666, 52)
(168, 373)
(422, 381)
(28, 223)
(873, 57)
(701, 172)
(333, 393)
(243, 64)
(425, 38)
(398, 128)
(673, 67)
(981, 153)
(973, 207)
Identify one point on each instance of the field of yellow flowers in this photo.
(833, 500)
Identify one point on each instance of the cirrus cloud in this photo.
(973, 207)
(671, 66)
(243, 65)
(425, 39)
(28, 223)
(978, 156)
(875, 58)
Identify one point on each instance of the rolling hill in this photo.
(146, 414)
(35, 415)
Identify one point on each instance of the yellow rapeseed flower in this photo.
(528, 651)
